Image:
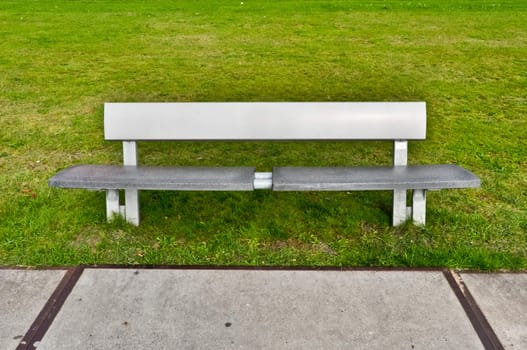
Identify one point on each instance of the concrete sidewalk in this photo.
(199, 308)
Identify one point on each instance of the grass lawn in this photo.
(61, 60)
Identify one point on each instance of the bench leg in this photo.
(399, 207)
(419, 207)
(400, 158)
(132, 206)
(112, 203)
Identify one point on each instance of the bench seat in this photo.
(108, 177)
(427, 177)
(114, 177)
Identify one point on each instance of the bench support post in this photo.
(112, 203)
(131, 198)
(400, 158)
(131, 211)
(399, 207)
(419, 207)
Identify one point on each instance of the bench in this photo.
(398, 122)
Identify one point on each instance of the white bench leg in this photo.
(400, 158)
(131, 197)
(419, 207)
(399, 207)
(132, 206)
(112, 203)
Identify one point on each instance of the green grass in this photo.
(60, 60)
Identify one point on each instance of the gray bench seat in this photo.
(115, 177)
(429, 177)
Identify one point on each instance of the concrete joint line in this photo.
(480, 323)
(50, 310)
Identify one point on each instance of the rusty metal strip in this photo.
(480, 323)
(50, 310)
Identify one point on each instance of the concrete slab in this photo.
(23, 294)
(503, 299)
(248, 309)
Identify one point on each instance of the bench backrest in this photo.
(265, 121)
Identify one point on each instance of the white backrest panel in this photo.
(265, 121)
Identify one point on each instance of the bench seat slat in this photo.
(372, 178)
(110, 177)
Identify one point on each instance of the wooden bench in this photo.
(398, 122)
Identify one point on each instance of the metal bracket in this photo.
(263, 181)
